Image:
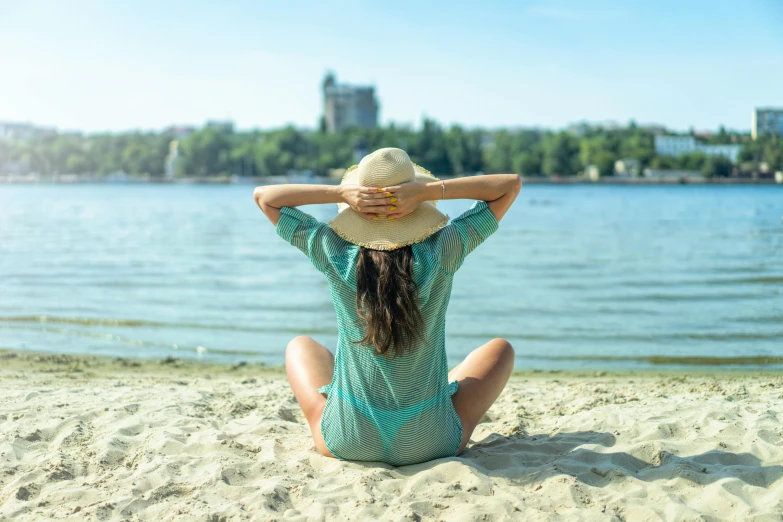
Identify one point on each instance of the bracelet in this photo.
(442, 189)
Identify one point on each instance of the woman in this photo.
(390, 258)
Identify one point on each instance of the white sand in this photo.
(107, 441)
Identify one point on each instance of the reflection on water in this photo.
(577, 276)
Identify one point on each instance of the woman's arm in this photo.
(271, 198)
(499, 190)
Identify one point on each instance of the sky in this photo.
(95, 65)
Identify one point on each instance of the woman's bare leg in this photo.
(309, 366)
(482, 376)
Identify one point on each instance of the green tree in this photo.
(498, 154)
(527, 163)
(78, 163)
(599, 151)
(5, 153)
(664, 162)
(561, 155)
(429, 148)
(772, 154)
(692, 161)
(213, 151)
(717, 166)
(205, 153)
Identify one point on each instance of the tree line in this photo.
(454, 150)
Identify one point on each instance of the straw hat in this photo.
(385, 168)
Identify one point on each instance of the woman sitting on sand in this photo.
(390, 259)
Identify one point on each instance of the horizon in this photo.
(605, 124)
(94, 68)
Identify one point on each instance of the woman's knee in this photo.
(298, 343)
(504, 349)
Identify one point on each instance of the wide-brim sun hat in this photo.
(385, 168)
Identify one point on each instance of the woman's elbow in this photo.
(259, 196)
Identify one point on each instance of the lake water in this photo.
(596, 277)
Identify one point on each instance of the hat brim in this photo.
(385, 234)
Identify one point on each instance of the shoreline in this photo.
(526, 180)
(115, 439)
(88, 364)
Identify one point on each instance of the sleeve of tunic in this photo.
(307, 234)
(460, 237)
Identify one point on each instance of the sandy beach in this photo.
(117, 439)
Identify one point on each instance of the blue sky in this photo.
(97, 65)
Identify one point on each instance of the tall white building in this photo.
(766, 120)
(679, 145)
(348, 106)
(170, 166)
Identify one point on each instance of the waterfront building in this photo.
(627, 167)
(170, 166)
(347, 106)
(766, 120)
(679, 145)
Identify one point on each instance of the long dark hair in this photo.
(387, 300)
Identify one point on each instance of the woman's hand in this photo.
(367, 201)
(404, 198)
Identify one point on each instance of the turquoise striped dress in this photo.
(396, 410)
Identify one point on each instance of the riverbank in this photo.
(124, 439)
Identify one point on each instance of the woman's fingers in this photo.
(382, 208)
(371, 208)
(380, 204)
(373, 195)
(397, 215)
(373, 192)
(374, 203)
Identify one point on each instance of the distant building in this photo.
(679, 145)
(10, 131)
(347, 106)
(581, 128)
(221, 125)
(180, 132)
(170, 166)
(22, 131)
(653, 128)
(766, 120)
(627, 167)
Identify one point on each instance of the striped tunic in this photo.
(396, 410)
